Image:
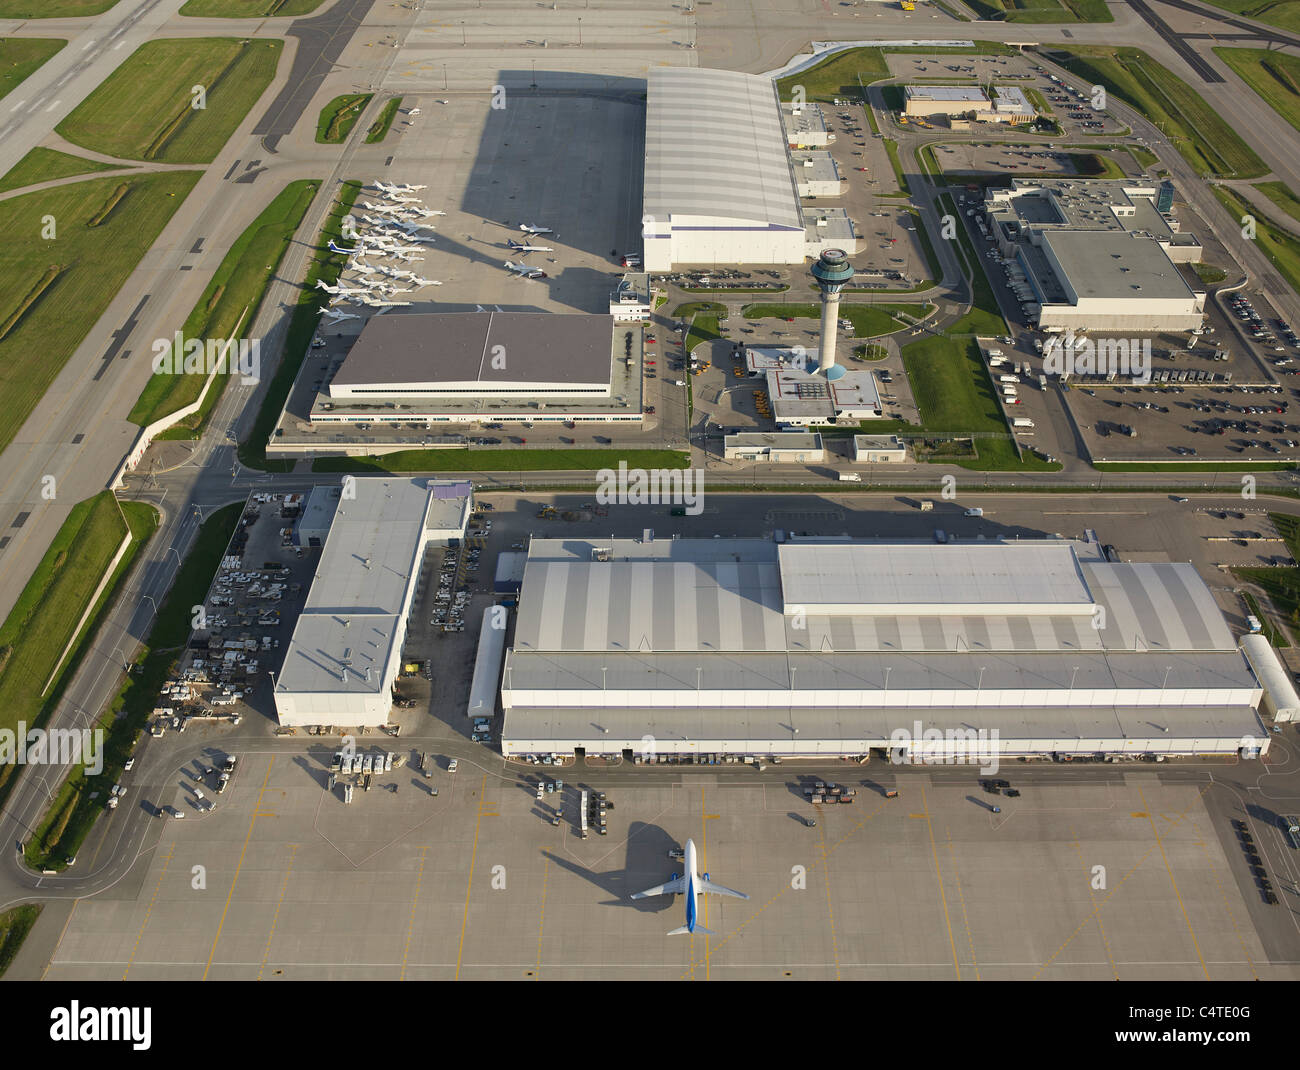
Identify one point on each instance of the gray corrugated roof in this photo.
(450, 348)
(1141, 725)
(715, 147)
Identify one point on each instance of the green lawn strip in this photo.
(1208, 273)
(339, 116)
(984, 318)
(379, 128)
(891, 147)
(1280, 194)
(1271, 633)
(704, 328)
(1275, 76)
(248, 9)
(145, 109)
(464, 460)
(692, 307)
(868, 321)
(1284, 15)
(1205, 138)
(324, 266)
(94, 262)
(20, 57)
(927, 246)
(1282, 585)
(1289, 528)
(1145, 157)
(1280, 245)
(45, 165)
(53, 9)
(73, 812)
(43, 619)
(15, 924)
(230, 299)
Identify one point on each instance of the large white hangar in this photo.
(719, 187)
(347, 645)
(746, 646)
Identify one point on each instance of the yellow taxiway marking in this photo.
(473, 857)
(275, 919)
(415, 902)
(153, 900)
(252, 821)
(943, 897)
(541, 921)
(1177, 894)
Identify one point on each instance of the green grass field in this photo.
(325, 266)
(94, 262)
(1280, 194)
(1208, 273)
(248, 9)
(15, 924)
(1284, 14)
(984, 318)
(379, 128)
(45, 616)
(72, 812)
(52, 9)
(1275, 76)
(143, 110)
(868, 321)
(45, 165)
(843, 74)
(895, 161)
(1206, 140)
(339, 116)
(504, 461)
(234, 294)
(954, 393)
(1043, 10)
(20, 56)
(1279, 244)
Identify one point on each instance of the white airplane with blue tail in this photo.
(690, 885)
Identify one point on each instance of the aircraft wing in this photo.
(673, 887)
(709, 888)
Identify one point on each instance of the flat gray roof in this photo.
(1117, 265)
(786, 440)
(460, 349)
(962, 93)
(715, 147)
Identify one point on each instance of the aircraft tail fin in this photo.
(684, 931)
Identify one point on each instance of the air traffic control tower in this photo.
(831, 271)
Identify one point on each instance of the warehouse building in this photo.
(346, 647)
(878, 449)
(719, 188)
(1095, 254)
(805, 126)
(853, 648)
(788, 447)
(1008, 104)
(475, 367)
(816, 174)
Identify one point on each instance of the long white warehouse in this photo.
(744, 646)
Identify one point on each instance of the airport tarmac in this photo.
(1119, 875)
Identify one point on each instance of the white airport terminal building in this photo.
(849, 648)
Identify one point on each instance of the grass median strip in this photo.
(20, 57)
(324, 266)
(73, 811)
(147, 109)
(45, 618)
(339, 116)
(1201, 134)
(1280, 245)
(231, 298)
(379, 128)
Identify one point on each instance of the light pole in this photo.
(579, 32)
(464, 39)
